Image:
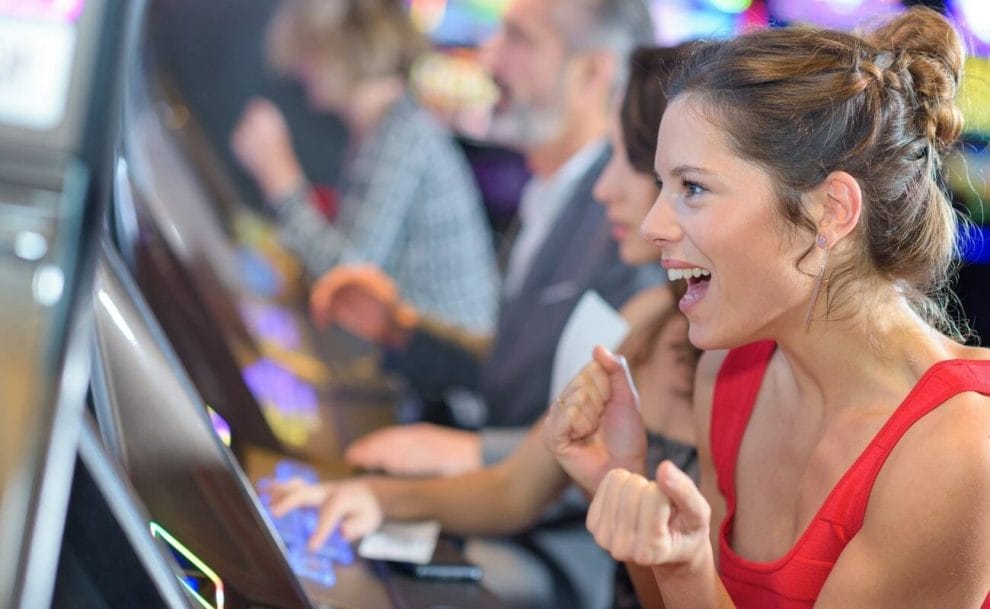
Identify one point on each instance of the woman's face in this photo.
(627, 195)
(715, 221)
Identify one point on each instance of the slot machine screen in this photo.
(46, 75)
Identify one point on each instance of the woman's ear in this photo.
(841, 205)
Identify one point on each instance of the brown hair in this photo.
(803, 102)
(642, 108)
(367, 38)
(645, 102)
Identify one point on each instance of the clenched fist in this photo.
(595, 424)
(651, 523)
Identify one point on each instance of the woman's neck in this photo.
(876, 353)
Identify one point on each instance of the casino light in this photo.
(974, 244)
(47, 285)
(159, 532)
(427, 14)
(975, 16)
(220, 426)
(58, 10)
(840, 14)
(731, 6)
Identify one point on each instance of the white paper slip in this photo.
(593, 322)
(406, 541)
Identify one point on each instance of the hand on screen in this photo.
(595, 424)
(261, 142)
(650, 523)
(363, 300)
(350, 504)
(418, 449)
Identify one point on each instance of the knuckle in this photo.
(705, 511)
(643, 556)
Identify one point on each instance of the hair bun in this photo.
(932, 53)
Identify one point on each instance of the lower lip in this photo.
(695, 293)
(619, 232)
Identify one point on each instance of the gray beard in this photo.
(525, 128)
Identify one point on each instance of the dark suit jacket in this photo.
(514, 379)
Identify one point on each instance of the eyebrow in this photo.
(680, 170)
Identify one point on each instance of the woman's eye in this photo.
(692, 189)
(658, 182)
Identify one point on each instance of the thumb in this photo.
(621, 385)
(691, 505)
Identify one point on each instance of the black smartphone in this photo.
(448, 563)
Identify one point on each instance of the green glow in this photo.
(158, 531)
(732, 6)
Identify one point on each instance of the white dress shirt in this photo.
(541, 203)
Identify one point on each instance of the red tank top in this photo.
(795, 580)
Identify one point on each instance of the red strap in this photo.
(942, 382)
(736, 388)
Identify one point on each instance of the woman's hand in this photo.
(595, 424)
(350, 504)
(660, 523)
(363, 300)
(261, 142)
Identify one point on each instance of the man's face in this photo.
(528, 60)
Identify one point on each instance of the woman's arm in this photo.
(497, 500)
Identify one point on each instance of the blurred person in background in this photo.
(559, 66)
(508, 497)
(409, 203)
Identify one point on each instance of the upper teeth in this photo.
(675, 274)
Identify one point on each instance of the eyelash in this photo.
(693, 189)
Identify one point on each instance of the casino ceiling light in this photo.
(975, 16)
(731, 6)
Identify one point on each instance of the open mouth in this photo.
(697, 283)
(691, 275)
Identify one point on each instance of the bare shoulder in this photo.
(952, 441)
(925, 539)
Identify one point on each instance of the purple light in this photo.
(273, 385)
(271, 323)
(838, 14)
(220, 426)
(47, 10)
(683, 20)
(973, 20)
